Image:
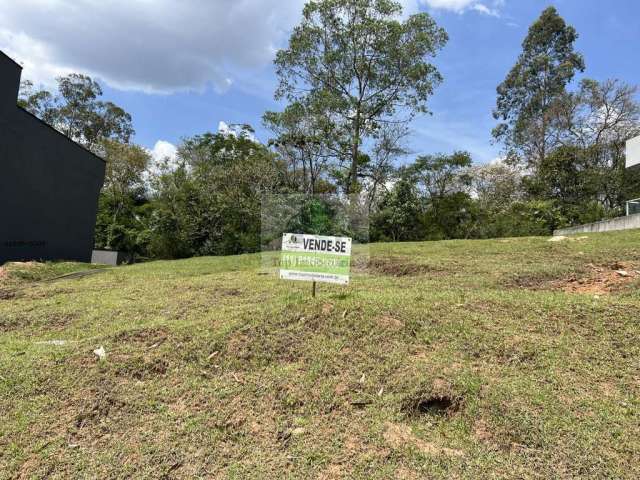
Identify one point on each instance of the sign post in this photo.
(315, 258)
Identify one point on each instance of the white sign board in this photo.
(633, 152)
(315, 258)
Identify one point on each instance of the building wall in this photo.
(49, 185)
(633, 152)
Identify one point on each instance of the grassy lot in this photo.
(514, 358)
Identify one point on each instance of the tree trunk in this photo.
(353, 175)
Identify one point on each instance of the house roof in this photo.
(11, 59)
(4, 55)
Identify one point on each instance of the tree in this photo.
(361, 67)
(378, 170)
(534, 87)
(123, 192)
(399, 217)
(75, 111)
(598, 119)
(496, 186)
(210, 204)
(302, 137)
(38, 102)
(440, 175)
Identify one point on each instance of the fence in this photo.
(633, 206)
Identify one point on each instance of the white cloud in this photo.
(453, 5)
(161, 46)
(479, 7)
(154, 46)
(461, 6)
(164, 157)
(163, 150)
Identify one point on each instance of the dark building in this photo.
(49, 185)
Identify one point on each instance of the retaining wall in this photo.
(620, 223)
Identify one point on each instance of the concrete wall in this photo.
(620, 223)
(632, 152)
(49, 185)
(110, 257)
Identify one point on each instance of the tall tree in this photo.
(534, 87)
(363, 66)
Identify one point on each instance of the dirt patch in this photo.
(52, 321)
(239, 346)
(390, 323)
(401, 436)
(142, 368)
(397, 267)
(601, 280)
(229, 292)
(332, 472)
(327, 308)
(482, 433)
(7, 294)
(103, 405)
(150, 337)
(592, 279)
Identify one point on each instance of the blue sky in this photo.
(181, 70)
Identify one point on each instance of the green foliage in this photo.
(400, 214)
(534, 86)
(359, 65)
(523, 218)
(122, 213)
(440, 175)
(453, 215)
(210, 204)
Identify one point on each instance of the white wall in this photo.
(633, 152)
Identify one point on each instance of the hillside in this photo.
(512, 358)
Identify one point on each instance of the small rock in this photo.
(297, 431)
(623, 273)
(100, 353)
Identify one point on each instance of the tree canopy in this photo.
(358, 65)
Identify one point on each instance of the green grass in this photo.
(216, 370)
